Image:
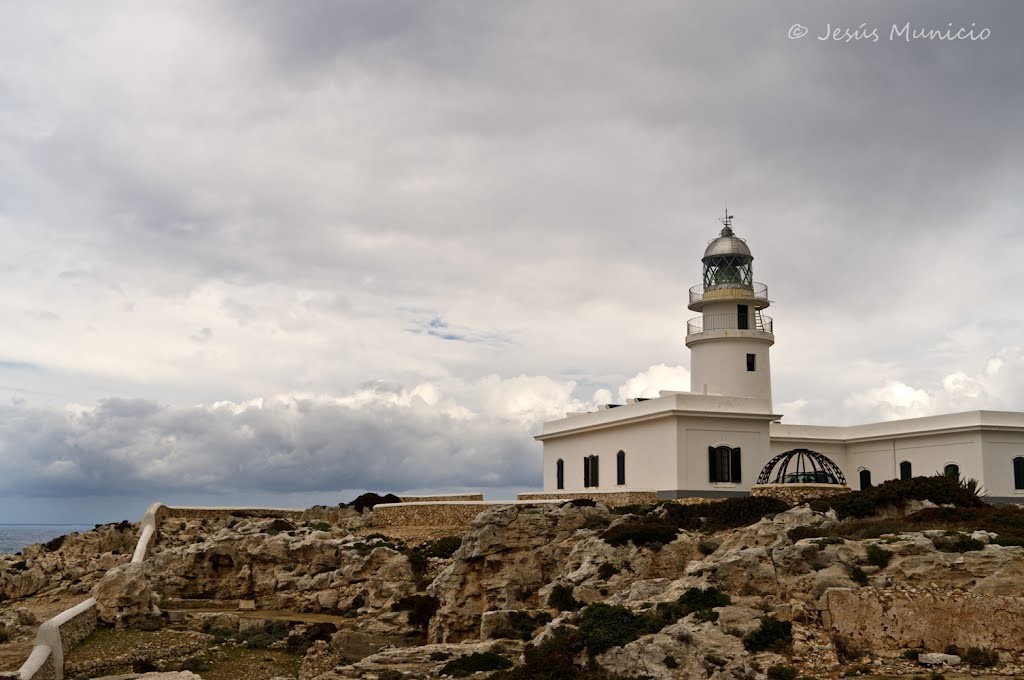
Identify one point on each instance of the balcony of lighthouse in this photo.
(709, 326)
(756, 294)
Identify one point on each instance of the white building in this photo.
(715, 439)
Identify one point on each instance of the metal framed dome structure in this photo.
(801, 466)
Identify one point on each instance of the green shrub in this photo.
(279, 525)
(521, 625)
(707, 547)
(911, 654)
(390, 674)
(780, 672)
(705, 616)
(670, 662)
(196, 664)
(474, 663)
(368, 500)
(729, 513)
(640, 531)
(596, 522)
(261, 638)
(319, 526)
(605, 626)
(561, 598)
(976, 656)
(846, 651)
(696, 599)
(858, 576)
(957, 543)
(897, 493)
(143, 666)
(554, 659)
(772, 635)
(300, 642)
(878, 556)
(54, 544)
(442, 548)
(440, 656)
(421, 609)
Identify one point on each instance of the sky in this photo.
(277, 253)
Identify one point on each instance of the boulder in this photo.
(124, 594)
(936, 659)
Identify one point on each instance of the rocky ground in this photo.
(549, 587)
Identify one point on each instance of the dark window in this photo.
(742, 317)
(905, 470)
(952, 470)
(560, 474)
(724, 464)
(620, 465)
(1018, 472)
(865, 479)
(590, 468)
(751, 362)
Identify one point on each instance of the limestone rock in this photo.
(123, 594)
(936, 659)
(682, 651)
(508, 554)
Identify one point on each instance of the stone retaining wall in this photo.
(609, 498)
(77, 628)
(443, 498)
(453, 514)
(798, 493)
(879, 619)
(166, 512)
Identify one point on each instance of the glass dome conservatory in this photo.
(801, 466)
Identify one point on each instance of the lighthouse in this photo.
(729, 342)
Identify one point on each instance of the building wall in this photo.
(650, 448)
(721, 364)
(998, 451)
(697, 434)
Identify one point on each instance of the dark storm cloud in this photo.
(303, 444)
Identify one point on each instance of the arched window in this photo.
(620, 467)
(905, 470)
(724, 464)
(865, 479)
(560, 474)
(952, 470)
(590, 470)
(1018, 472)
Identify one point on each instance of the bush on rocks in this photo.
(421, 609)
(561, 598)
(474, 663)
(772, 636)
(366, 501)
(896, 493)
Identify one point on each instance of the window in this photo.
(620, 466)
(724, 464)
(560, 474)
(751, 362)
(1018, 472)
(865, 479)
(905, 470)
(590, 468)
(952, 470)
(742, 317)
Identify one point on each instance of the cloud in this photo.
(650, 382)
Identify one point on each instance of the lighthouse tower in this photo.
(729, 341)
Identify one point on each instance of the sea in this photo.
(15, 537)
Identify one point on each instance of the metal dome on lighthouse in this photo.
(729, 342)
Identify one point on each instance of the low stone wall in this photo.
(443, 498)
(798, 493)
(609, 498)
(879, 619)
(451, 514)
(166, 512)
(77, 628)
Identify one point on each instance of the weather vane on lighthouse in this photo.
(727, 222)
